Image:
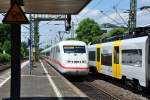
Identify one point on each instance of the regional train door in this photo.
(116, 63)
(98, 58)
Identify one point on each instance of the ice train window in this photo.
(92, 55)
(74, 49)
(132, 57)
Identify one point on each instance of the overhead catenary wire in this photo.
(120, 16)
(88, 11)
(109, 17)
(115, 8)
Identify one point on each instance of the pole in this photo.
(72, 30)
(132, 15)
(15, 61)
(30, 49)
(36, 38)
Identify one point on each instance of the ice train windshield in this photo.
(74, 49)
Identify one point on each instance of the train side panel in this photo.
(92, 57)
(124, 58)
(148, 61)
(133, 59)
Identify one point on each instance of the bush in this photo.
(7, 46)
(5, 57)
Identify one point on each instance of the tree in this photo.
(7, 46)
(88, 31)
(24, 50)
(117, 31)
(1, 49)
(5, 31)
(70, 39)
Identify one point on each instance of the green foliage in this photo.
(117, 31)
(71, 39)
(5, 57)
(24, 50)
(7, 46)
(1, 49)
(88, 31)
(5, 31)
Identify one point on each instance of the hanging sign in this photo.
(15, 15)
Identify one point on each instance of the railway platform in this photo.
(43, 84)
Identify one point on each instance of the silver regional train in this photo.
(127, 59)
(68, 57)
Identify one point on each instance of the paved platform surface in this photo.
(44, 84)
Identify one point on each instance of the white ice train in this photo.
(68, 57)
(127, 59)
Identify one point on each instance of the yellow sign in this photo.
(15, 15)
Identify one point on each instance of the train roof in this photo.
(67, 42)
(125, 41)
(72, 42)
(138, 32)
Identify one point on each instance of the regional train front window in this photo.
(74, 49)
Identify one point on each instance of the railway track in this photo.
(93, 92)
(97, 88)
(144, 93)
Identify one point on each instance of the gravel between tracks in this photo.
(109, 88)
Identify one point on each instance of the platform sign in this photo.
(15, 15)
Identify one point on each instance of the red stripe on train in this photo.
(57, 62)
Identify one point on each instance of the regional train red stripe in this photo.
(57, 62)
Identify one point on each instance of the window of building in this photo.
(92, 55)
(132, 57)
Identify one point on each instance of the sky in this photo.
(102, 11)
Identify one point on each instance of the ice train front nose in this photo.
(76, 64)
(75, 59)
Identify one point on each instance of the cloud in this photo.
(143, 17)
(114, 18)
(92, 13)
(144, 2)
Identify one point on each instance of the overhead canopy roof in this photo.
(48, 6)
